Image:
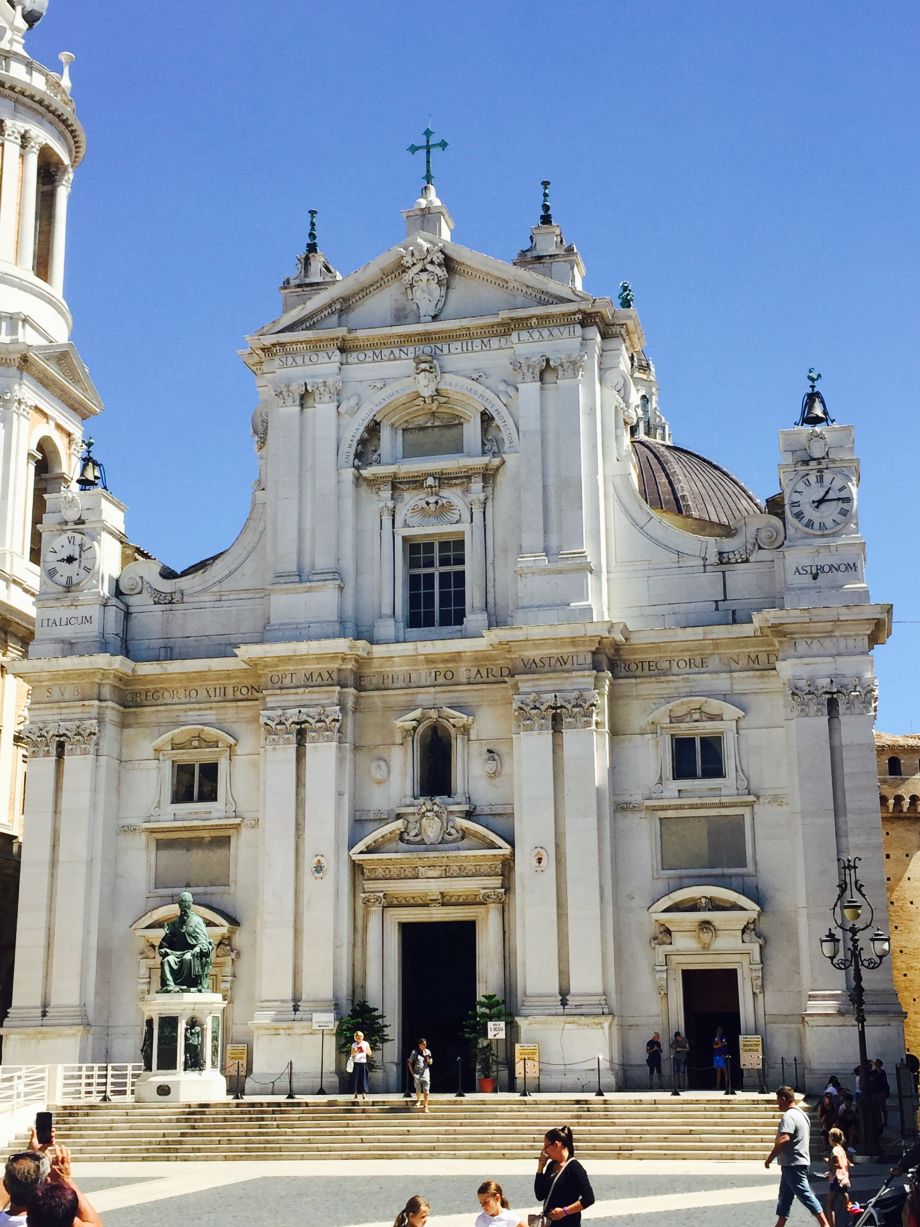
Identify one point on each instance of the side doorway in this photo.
(438, 990)
(710, 998)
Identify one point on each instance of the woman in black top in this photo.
(561, 1182)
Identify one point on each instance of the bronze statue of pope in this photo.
(185, 952)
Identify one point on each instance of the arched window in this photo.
(43, 471)
(894, 765)
(435, 761)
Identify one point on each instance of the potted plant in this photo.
(363, 1017)
(488, 1008)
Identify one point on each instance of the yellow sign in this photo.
(750, 1049)
(529, 1053)
(237, 1055)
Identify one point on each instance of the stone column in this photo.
(324, 843)
(15, 409)
(285, 480)
(495, 941)
(27, 219)
(385, 628)
(274, 993)
(477, 619)
(9, 189)
(373, 948)
(325, 478)
(568, 433)
(62, 944)
(536, 924)
(531, 453)
(62, 185)
(580, 712)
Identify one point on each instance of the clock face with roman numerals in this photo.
(70, 559)
(821, 501)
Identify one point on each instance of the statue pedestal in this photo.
(182, 1049)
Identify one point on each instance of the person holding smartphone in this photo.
(418, 1063)
(561, 1182)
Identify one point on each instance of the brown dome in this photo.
(690, 491)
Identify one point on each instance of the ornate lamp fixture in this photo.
(847, 953)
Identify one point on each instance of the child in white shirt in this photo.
(495, 1209)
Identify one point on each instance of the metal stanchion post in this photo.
(795, 1063)
(239, 1093)
(461, 1094)
(290, 1074)
(525, 1094)
(675, 1090)
(599, 1094)
(106, 1097)
(782, 1071)
(321, 1089)
(730, 1087)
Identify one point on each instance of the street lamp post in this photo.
(848, 953)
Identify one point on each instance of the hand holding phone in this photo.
(44, 1128)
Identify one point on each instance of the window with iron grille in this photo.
(437, 582)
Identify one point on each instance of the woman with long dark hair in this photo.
(561, 1182)
(414, 1213)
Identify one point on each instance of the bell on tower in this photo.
(814, 410)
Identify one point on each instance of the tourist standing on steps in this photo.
(653, 1059)
(791, 1148)
(418, 1063)
(414, 1213)
(680, 1055)
(360, 1052)
(720, 1058)
(495, 1209)
(561, 1182)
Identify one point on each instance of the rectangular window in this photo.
(703, 841)
(437, 582)
(194, 782)
(445, 439)
(183, 863)
(697, 758)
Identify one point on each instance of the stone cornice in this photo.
(415, 471)
(26, 359)
(46, 104)
(871, 621)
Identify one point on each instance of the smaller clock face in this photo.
(70, 559)
(821, 500)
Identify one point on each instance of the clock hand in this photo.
(823, 499)
(843, 498)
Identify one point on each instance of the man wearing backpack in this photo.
(419, 1065)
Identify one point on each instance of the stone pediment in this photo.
(418, 281)
(60, 369)
(397, 840)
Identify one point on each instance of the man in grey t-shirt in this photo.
(791, 1148)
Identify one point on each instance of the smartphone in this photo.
(43, 1128)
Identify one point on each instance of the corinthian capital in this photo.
(325, 391)
(289, 394)
(856, 696)
(578, 708)
(533, 713)
(569, 366)
(281, 727)
(529, 369)
(13, 132)
(76, 736)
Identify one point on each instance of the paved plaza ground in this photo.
(369, 1194)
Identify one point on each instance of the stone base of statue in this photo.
(182, 1049)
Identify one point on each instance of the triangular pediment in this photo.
(61, 369)
(376, 295)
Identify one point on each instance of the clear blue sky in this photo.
(750, 168)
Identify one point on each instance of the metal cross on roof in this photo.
(428, 146)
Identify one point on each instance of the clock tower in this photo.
(825, 555)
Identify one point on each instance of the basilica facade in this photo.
(498, 690)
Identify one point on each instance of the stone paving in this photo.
(369, 1194)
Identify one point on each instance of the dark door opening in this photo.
(710, 1001)
(438, 977)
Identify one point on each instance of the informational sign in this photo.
(531, 1054)
(496, 1029)
(323, 1020)
(750, 1049)
(237, 1055)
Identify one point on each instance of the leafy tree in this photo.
(363, 1017)
(488, 1008)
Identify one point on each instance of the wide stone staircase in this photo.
(478, 1127)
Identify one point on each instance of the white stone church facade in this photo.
(490, 653)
